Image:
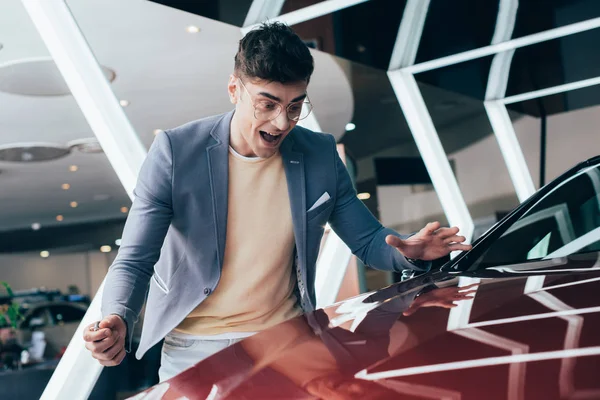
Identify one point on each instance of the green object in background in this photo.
(9, 313)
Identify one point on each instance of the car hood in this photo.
(528, 333)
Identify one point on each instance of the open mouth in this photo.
(271, 139)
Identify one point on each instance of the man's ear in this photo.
(232, 89)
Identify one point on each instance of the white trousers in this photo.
(180, 351)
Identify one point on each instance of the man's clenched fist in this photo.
(107, 344)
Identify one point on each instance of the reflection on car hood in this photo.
(521, 337)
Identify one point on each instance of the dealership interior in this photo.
(455, 111)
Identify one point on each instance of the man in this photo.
(238, 202)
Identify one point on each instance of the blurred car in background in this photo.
(58, 320)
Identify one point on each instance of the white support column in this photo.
(567, 87)
(496, 110)
(77, 372)
(310, 12)
(435, 158)
(507, 45)
(409, 34)
(419, 120)
(89, 87)
(510, 148)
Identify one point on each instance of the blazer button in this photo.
(207, 291)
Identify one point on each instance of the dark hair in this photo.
(275, 53)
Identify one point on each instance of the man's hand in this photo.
(107, 344)
(431, 243)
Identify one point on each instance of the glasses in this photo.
(268, 110)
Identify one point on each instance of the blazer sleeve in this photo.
(352, 221)
(126, 283)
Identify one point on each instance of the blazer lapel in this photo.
(293, 162)
(218, 169)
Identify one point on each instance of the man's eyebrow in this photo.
(275, 98)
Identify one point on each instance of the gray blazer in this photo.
(173, 243)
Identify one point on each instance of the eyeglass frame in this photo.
(281, 107)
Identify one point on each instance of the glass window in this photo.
(63, 314)
(566, 221)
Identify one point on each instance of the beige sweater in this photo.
(256, 290)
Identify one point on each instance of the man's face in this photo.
(262, 117)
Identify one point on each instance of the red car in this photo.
(531, 330)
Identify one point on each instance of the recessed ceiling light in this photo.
(105, 249)
(364, 196)
(123, 103)
(45, 254)
(73, 204)
(192, 29)
(124, 210)
(350, 127)
(59, 218)
(157, 131)
(36, 226)
(118, 242)
(65, 186)
(73, 168)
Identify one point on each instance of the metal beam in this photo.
(310, 12)
(567, 87)
(504, 46)
(435, 158)
(263, 10)
(409, 34)
(77, 372)
(510, 148)
(419, 120)
(496, 110)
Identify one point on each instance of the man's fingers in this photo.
(111, 321)
(103, 345)
(394, 241)
(94, 336)
(460, 247)
(110, 353)
(446, 232)
(432, 227)
(116, 360)
(455, 239)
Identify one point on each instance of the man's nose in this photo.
(282, 121)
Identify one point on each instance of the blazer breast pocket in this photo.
(320, 210)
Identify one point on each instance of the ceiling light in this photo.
(73, 168)
(105, 249)
(45, 254)
(118, 242)
(36, 226)
(124, 210)
(73, 204)
(157, 131)
(364, 196)
(59, 218)
(192, 29)
(123, 103)
(65, 186)
(350, 127)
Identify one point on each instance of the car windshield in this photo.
(563, 222)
